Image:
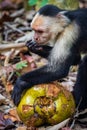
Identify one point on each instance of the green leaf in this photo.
(18, 74)
(21, 65)
(32, 2)
(44, 2)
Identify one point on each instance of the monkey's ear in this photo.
(59, 15)
(63, 19)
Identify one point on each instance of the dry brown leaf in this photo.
(22, 128)
(9, 87)
(66, 128)
(2, 99)
(5, 123)
(12, 115)
(16, 1)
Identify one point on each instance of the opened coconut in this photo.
(45, 104)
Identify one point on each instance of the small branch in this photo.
(6, 62)
(58, 126)
(13, 28)
(4, 47)
(18, 13)
(21, 28)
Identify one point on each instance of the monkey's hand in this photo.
(42, 50)
(18, 90)
(33, 47)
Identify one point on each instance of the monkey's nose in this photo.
(36, 39)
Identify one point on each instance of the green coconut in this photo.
(45, 104)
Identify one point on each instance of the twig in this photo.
(6, 62)
(7, 46)
(21, 28)
(13, 28)
(58, 126)
(76, 114)
(18, 13)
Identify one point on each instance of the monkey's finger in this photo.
(16, 97)
(30, 44)
(38, 48)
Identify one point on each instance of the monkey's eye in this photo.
(83, 1)
(39, 31)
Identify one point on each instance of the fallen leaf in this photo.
(22, 128)
(9, 87)
(12, 115)
(5, 123)
(66, 128)
(2, 99)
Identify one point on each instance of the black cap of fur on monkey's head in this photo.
(82, 1)
(49, 10)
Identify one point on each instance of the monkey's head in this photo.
(47, 24)
(83, 3)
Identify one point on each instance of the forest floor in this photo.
(14, 32)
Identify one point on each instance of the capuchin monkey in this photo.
(66, 31)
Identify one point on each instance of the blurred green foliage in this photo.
(67, 4)
(37, 2)
(64, 4)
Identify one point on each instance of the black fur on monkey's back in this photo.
(80, 18)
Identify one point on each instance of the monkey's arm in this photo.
(45, 74)
(41, 50)
(77, 59)
(80, 87)
(44, 51)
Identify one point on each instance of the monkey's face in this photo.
(83, 3)
(46, 29)
(41, 26)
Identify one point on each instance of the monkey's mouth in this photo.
(42, 43)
